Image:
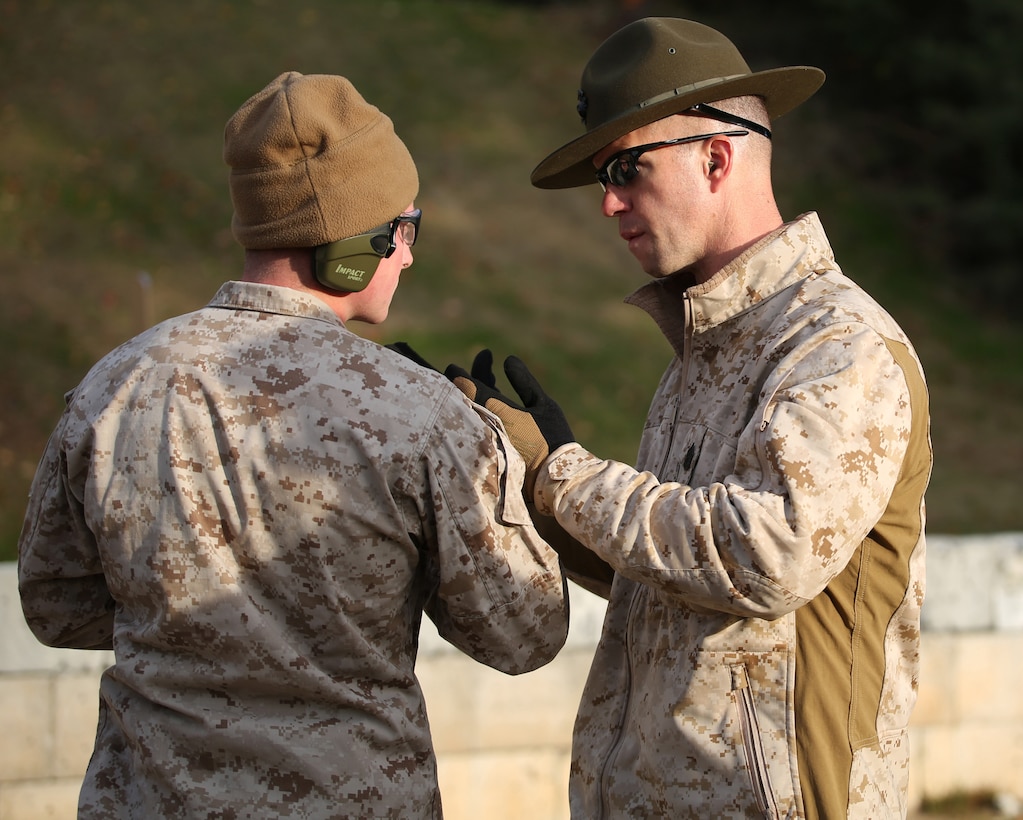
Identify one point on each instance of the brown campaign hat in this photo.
(656, 67)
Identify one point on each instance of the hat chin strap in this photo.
(732, 119)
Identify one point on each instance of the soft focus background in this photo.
(114, 209)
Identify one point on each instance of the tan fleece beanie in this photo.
(312, 162)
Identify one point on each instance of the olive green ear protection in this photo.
(348, 264)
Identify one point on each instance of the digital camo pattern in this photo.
(759, 656)
(253, 506)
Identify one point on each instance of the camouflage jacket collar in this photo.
(782, 258)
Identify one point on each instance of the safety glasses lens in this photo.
(407, 226)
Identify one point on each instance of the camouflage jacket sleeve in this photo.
(810, 473)
(64, 594)
(579, 564)
(498, 593)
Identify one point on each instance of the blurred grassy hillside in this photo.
(114, 213)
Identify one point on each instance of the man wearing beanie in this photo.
(763, 563)
(253, 507)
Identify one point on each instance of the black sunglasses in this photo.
(622, 167)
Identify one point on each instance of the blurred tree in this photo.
(929, 103)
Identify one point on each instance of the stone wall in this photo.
(503, 743)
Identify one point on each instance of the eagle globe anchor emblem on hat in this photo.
(656, 67)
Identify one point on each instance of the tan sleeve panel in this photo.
(840, 650)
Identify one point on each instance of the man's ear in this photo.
(719, 162)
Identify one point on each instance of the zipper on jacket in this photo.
(749, 724)
(768, 411)
(612, 754)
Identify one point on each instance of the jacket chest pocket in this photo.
(682, 454)
(670, 448)
(679, 453)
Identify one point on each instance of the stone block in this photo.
(473, 707)
(1007, 594)
(974, 583)
(526, 783)
(988, 672)
(76, 706)
(39, 800)
(26, 728)
(967, 757)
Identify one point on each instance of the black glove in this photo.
(536, 428)
(483, 368)
(406, 350)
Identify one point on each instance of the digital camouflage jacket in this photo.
(253, 507)
(759, 654)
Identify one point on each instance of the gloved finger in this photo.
(405, 349)
(479, 391)
(524, 382)
(545, 411)
(483, 368)
(462, 380)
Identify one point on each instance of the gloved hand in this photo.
(536, 428)
(405, 349)
(483, 368)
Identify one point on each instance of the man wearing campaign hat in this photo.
(764, 561)
(253, 507)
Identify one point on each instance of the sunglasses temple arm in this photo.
(724, 116)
